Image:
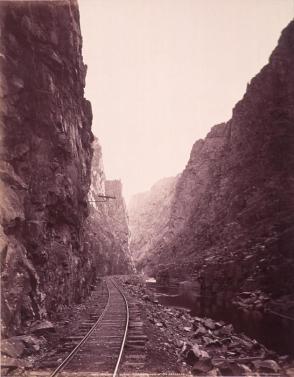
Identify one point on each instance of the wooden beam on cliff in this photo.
(105, 197)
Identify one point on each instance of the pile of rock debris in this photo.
(209, 347)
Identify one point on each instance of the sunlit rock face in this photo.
(234, 200)
(149, 215)
(107, 226)
(45, 161)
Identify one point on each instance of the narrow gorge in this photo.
(194, 276)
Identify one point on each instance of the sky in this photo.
(161, 73)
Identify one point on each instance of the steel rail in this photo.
(74, 351)
(125, 332)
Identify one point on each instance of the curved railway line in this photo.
(114, 340)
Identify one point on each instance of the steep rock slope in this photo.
(45, 161)
(149, 214)
(107, 225)
(234, 201)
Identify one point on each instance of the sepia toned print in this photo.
(147, 159)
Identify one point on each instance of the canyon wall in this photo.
(149, 214)
(229, 220)
(107, 225)
(46, 153)
(233, 203)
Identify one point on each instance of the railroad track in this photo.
(114, 340)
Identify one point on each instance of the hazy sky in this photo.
(161, 73)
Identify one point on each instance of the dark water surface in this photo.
(274, 332)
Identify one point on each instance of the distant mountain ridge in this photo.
(149, 214)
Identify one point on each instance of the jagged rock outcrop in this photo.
(45, 161)
(149, 214)
(107, 225)
(234, 201)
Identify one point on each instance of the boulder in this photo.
(200, 330)
(231, 368)
(178, 343)
(266, 366)
(12, 347)
(290, 372)
(42, 327)
(244, 370)
(193, 353)
(202, 366)
(226, 330)
(31, 343)
(210, 324)
(214, 343)
(13, 363)
(215, 372)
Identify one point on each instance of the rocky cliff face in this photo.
(149, 215)
(107, 225)
(234, 201)
(230, 228)
(45, 161)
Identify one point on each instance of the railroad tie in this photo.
(108, 347)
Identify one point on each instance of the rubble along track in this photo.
(102, 348)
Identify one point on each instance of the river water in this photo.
(273, 332)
